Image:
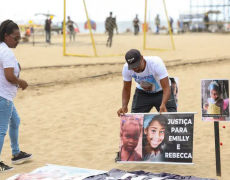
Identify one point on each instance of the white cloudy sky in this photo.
(124, 10)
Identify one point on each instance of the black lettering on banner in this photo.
(167, 138)
(179, 138)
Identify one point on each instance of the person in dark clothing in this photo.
(48, 29)
(157, 23)
(70, 25)
(136, 25)
(110, 24)
(206, 20)
(171, 24)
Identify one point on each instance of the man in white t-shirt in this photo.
(153, 87)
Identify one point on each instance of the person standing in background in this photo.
(70, 25)
(171, 23)
(136, 25)
(48, 23)
(110, 24)
(157, 23)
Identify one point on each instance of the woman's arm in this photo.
(10, 77)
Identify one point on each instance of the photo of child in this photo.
(215, 100)
(175, 85)
(154, 137)
(131, 138)
(146, 85)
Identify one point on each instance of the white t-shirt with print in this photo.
(7, 60)
(149, 79)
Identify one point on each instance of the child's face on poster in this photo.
(155, 134)
(130, 136)
(214, 94)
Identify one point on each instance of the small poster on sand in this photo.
(154, 138)
(215, 99)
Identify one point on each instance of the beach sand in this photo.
(72, 119)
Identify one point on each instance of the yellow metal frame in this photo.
(64, 35)
(145, 27)
(90, 30)
(92, 39)
(91, 35)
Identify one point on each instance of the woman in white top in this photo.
(9, 84)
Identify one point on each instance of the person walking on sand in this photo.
(157, 23)
(70, 25)
(136, 25)
(48, 23)
(9, 84)
(110, 24)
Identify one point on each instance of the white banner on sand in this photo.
(153, 138)
(57, 172)
(51, 172)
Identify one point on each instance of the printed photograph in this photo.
(131, 137)
(154, 137)
(215, 99)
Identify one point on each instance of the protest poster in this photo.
(215, 99)
(154, 138)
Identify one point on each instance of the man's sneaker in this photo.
(4, 168)
(21, 157)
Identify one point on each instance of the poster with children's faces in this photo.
(157, 138)
(175, 86)
(215, 99)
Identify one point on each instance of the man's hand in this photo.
(122, 111)
(22, 84)
(163, 108)
(125, 98)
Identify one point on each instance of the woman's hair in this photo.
(7, 27)
(215, 85)
(163, 122)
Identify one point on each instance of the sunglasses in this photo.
(16, 38)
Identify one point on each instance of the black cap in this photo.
(133, 58)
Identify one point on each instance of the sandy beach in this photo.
(68, 113)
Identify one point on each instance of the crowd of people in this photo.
(110, 26)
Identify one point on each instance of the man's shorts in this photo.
(143, 102)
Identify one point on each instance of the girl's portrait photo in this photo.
(131, 138)
(215, 100)
(154, 137)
